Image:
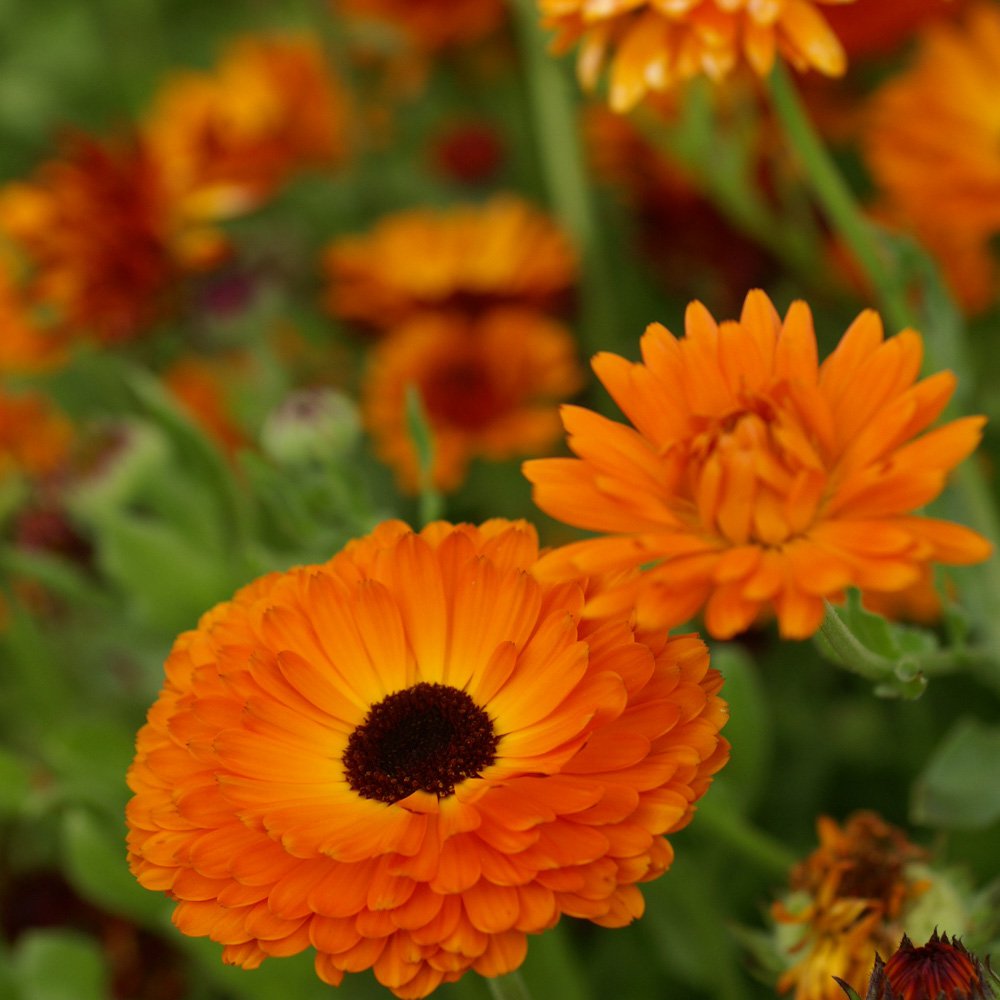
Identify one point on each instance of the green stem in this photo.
(557, 135)
(838, 202)
(509, 987)
(728, 825)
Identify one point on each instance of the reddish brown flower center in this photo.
(462, 394)
(429, 737)
(941, 968)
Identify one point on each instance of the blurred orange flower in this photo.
(503, 252)
(757, 478)
(25, 348)
(98, 238)
(226, 140)
(652, 46)
(874, 27)
(34, 437)
(932, 142)
(203, 387)
(849, 898)
(489, 386)
(414, 755)
(431, 24)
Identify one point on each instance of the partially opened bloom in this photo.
(489, 386)
(932, 143)
(652, 45)
(225, 140)
(431, 24)
(505, 251)
(414, 755)
(942, 969)
(849, 899)
(757, 478)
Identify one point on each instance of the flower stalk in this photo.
(509, 987)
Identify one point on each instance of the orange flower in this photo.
(652, 46)
(505, 251)
(97, 235)
(920, 602)
(938, 970)
(227, 140)
(24, 347)
(757, 477)
(202, 387)
(414, 755)
(431, 24)
(932, 142)
(34, 438)
(849, 898)
(488, 386)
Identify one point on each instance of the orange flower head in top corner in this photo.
(226, 140)
(849, 898)
(430, 25)
(652, 45)
(757, 478)
(932, 143)
(942, 969)
(489, 387)
(412, 756)
(468, 257)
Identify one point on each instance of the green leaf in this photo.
(94, 861)
(749, 728)
(958, 788)
(15, 786)
(60, 965)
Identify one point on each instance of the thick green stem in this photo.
(837, 201)
(557, 135)
(509, 987)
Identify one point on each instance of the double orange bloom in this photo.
(754, 476)
(414, 755)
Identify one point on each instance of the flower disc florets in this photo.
(414, 755)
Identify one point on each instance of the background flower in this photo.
(414, 755)
(489, 386)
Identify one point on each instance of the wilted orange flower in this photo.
(871, 27)
(851, 893)
(756, 477)
(98, 237)
(34, 437)
(226, 140)
(489, 386)
(932, 142)
(652, 45)
(938, 970)
(412, 756)
(502, 252)
(203, 387)
(431, 24)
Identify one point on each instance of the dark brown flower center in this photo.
(429, 737)
(462, 394)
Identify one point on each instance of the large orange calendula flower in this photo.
(849, 899)
(489, 386)
(414, 755)
(100, 240)
(431, 24)
(757, 478)
(652, 45)
(228, 139)
(470, 256)
(932, 143)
